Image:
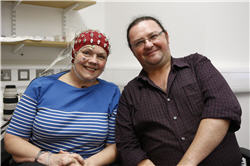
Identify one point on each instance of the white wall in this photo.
(218, 30)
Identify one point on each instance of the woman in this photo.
(68, 118)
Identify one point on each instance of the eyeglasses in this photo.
(88, 54)
(152, 38)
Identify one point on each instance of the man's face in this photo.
(149, 44)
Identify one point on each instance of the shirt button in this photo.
(168, 99)
(183, 138)
(175, 117)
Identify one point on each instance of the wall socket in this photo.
(5, 74)
(23, 74)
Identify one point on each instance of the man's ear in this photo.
(132, 50)
(166, 34)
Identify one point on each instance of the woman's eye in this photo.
(102, 57)
(86, 52)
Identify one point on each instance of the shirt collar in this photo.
(176, 64)
(143, 75)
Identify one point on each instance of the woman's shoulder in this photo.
(45, 80)
(107, 83)
(108, 88)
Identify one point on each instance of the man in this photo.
(178, 111)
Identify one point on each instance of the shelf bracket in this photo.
(64, 17)
(70, 8)
(18, 47)
(16, 4)
(13, 19)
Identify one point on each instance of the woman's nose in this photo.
(93, 59)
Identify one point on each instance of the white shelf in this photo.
(38, 43)
(62, 3)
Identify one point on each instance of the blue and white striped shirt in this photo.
(56, 116)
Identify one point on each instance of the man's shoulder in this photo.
(133, 84)
(194, 57)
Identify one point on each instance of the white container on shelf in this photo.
(10, 99)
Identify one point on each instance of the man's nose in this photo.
(148, 43)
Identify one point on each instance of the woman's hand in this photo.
(61, 159)
(88, 162)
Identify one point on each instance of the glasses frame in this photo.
(151, 38)
(90, 54)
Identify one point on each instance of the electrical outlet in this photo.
(23, 74)
(5, 75)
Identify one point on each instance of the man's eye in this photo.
(139, 43)
(154, 36)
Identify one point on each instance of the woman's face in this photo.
(90, 62)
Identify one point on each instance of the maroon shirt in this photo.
(161, 125)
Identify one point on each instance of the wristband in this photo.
(48, 159)
(39, 154)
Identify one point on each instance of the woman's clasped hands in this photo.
(64, 158)
(61, 159)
